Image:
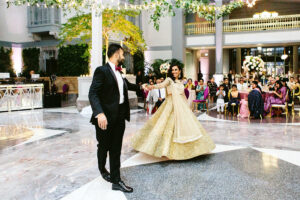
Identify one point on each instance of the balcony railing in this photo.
(41, 16)
(245, 25)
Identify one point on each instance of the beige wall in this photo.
(13, 23)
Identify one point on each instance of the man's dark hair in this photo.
(255, 83)
(225, 79)
(234, 85)
(112, 49)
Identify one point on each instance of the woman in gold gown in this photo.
(173, 131)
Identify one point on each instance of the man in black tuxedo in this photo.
(108, 96)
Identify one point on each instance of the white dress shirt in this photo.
(162, 93)
(242, 87)
(120, 81)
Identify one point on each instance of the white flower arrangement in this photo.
(164, 68)
(148, 69)
(254, 63)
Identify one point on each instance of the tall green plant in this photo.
(73, 60)
(30, 60)
(5, 61)
(138, 62)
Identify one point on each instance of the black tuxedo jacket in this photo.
(104, 94)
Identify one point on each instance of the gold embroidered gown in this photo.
(173, 131)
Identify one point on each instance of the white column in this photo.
(295, 60)
(238, 67)
(219, 46)
(84, 83)
(225, 61)
(96, 52)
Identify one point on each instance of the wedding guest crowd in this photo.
(238, 95)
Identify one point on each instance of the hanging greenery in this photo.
(30, 60)
(159, 8)
(6, 62)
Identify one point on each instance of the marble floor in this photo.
(50, 154)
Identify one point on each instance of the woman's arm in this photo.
(223, 93)
(162, 85)
(278, 94)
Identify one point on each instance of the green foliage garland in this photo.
(159, 8)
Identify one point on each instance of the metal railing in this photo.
(245, 25)
(20, 97)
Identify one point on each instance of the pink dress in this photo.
(244, 111)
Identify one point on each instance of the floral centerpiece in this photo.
(164, 68)
(255, 65)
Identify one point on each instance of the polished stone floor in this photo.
(51, 154)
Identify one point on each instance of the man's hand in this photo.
(102, 121)
(144, 87)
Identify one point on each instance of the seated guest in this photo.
(242, 85)
(278, 97)
(161, 94)
(289, 91)
(200, 91)
(236, 80)
(151, 100)
(296, 87)
(212, 89)
(291, 82)
(190, 84)
(226, 87)
(220, 99)
(271, 83)
(192, 94)
(244, 111)
(257, 80)
(255, 101)
(234, 99)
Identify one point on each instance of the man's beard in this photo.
(120, 62)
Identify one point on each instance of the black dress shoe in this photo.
(106, 175)
(122, 187)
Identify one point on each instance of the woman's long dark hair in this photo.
(279, 83)
(170, 72)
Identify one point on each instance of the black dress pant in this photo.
(110, 141)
